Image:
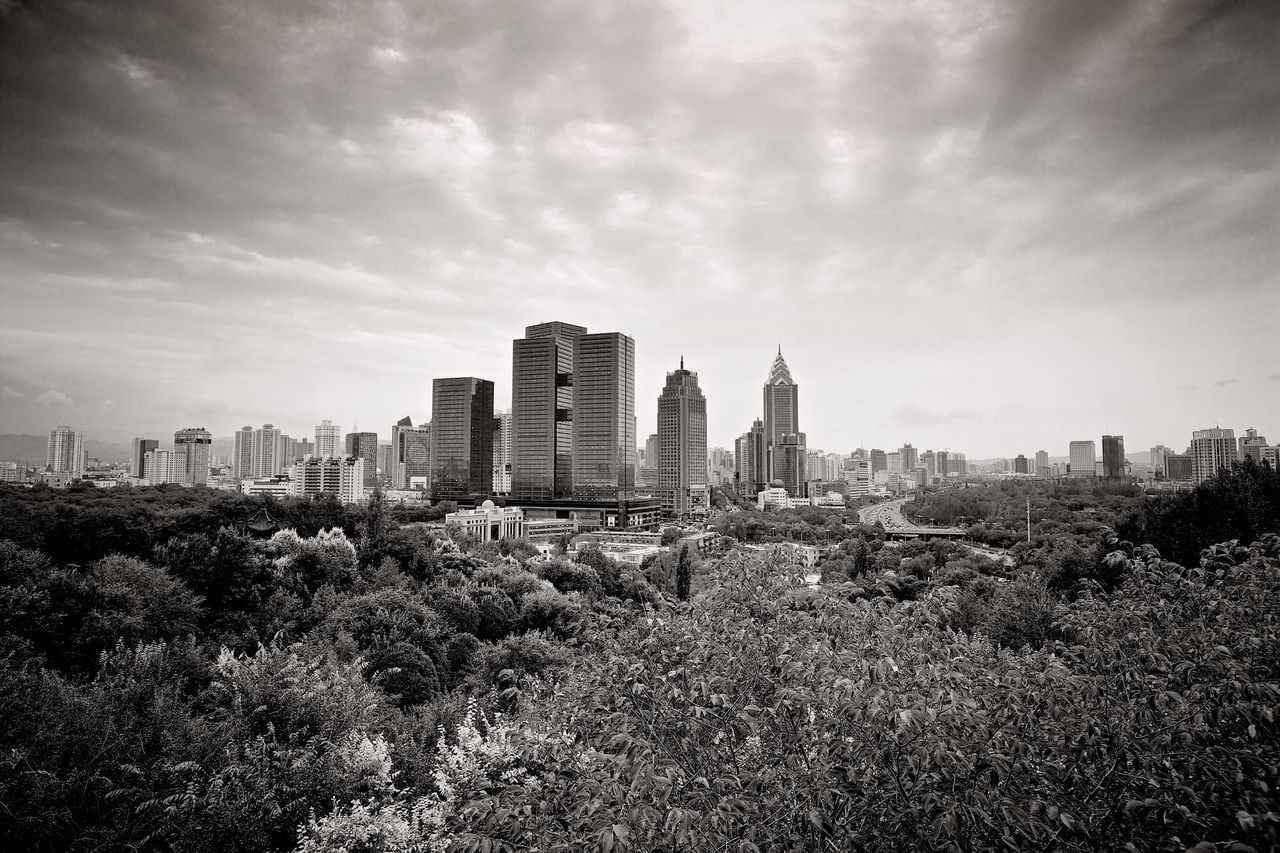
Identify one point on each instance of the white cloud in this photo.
(53, 397)
(7, 393)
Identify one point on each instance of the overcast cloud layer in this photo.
(993, 226)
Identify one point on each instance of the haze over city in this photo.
(990, 226)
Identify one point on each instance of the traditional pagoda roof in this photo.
(780, 374)
(262, 524)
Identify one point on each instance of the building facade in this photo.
(489, 523)
(410, 453)
(265, 458)
(364, 445)
(1211, 451)
(502, 453)
(1113, 461)
(604, 439)
(137, 456)
(682, 445)
(194, 443)
(781, 417)
(337, 475)
(328, 439)
(542, 395)
(461, 438)
(66, 452)
(1083, 457)
(1251, 445)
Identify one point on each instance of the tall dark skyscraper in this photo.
(782, 418)
(365, 446)
(1112, 456)
(542, 411)
(682, 444)
(604, 416)
(781, 402)
(461, 438)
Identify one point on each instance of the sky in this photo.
(993, 227)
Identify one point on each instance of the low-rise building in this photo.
(489, 522)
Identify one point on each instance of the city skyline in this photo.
(995, 227)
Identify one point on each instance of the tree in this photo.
(683, 574)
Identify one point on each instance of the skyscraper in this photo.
(788, 464)
(604, 439)
(1211, 451)
(410, 453)
(1042, 463)
(265, 452)
(502, 453)
(365, 446)
(682, 444)
(1251, 445)
(1020, 464)
(328, 439)
(1083, 456)
(878, 461)
(66, 452)
(461, 438)
(757, 457)
(195, 443)
(141, 447)
(242, 457)
(1113, 456)
(542, 398)
(910, 457)
(781, 413)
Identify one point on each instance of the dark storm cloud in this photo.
(242, 174)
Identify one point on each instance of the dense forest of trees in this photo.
(355, 683)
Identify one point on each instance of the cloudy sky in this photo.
(989, 226)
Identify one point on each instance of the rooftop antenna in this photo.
(682, 362)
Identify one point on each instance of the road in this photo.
(889, 514)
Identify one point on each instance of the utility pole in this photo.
(1028, 519)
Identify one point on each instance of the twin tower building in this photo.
(571, 432)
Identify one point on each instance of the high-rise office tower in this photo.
(910, 457)
(302, 448)
(757, 457)
(502, 453)
(1156, 463)
(1211, 451)
(682, 444)
(195, 443)
(384, 459)
(788, 463)
(410, 453)
(604, 440)
(941, 462)
(242, 457)
(893, 462)
(461, 438)
(651, 451)
(878, 461)
(66, 451)
(141, 447)
(265, 452)
(957, 464)
(1251, 445)
(1113, 456)
(1082, 455)
(1179, 467)
(365, 446)
(1042, 463)
(328, 439)
(781, 410)
(542, 398)
(1020, 464)
(929, 461)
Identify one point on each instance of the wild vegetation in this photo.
(360, 684)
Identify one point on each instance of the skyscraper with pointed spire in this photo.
(782, 418)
